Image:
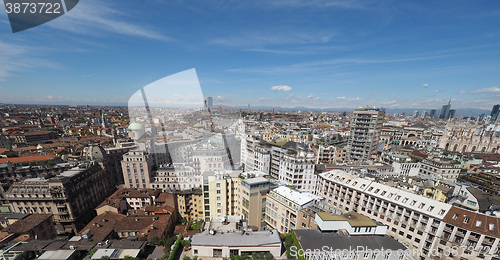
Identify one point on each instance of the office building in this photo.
(445, 111)
(495, 112)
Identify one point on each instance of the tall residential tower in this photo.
(365, 132)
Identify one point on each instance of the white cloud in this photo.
(90, 17)
(349, 99)
(281, 88)
(219, 98)
(493, 91)
(289, 96)
(425, 85)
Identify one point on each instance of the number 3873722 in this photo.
(33, 8)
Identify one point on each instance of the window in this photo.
(478, 223)
(218, 185)
(441, 212)
(455, 216)
(218, 191)
(466, 219)
(421, 205)
(218, 197)
(430, 208)
(405, 200)
(492, 227)
(413, 202)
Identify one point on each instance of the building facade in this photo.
(365, 132)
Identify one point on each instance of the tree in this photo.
(10, 154)
(186, 258)
(26, 256)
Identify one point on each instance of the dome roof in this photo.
(135, 126)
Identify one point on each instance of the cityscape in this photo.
(239, 130)
(93, 182)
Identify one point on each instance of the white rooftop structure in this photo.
(301, 198)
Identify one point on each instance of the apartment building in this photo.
(211, 158)
(415, 220)
(440, 168)
(136, 168)
(220, 193)
(366, 125)
(287, 209)
(71, 195)
(177, 177)
(252, 195)
(294, 165)
(255, 157)
(190, 204)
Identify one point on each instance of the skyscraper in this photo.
(445, 111)
(494, 112)
(432, 114)
(210, 103)
(365, 132)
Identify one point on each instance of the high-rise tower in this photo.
(365, 132)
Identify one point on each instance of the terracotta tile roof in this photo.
(27, 224)
(103, 225)
(25, 159)
(150, 226)
(456, 216)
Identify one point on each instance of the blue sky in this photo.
(312, 53)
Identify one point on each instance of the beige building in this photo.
(288, 209)
(220, 193)
(252, 198)
(190, 204)
(136, 168)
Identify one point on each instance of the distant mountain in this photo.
(459, 111)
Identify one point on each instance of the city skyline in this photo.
(320, 54)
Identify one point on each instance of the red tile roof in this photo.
(103, 225)
(28, 158)
(27, 224)
(474, 217)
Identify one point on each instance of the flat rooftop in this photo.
(355, 219)
(298, 197)
(237, 238)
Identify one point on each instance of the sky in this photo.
(288, 53)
